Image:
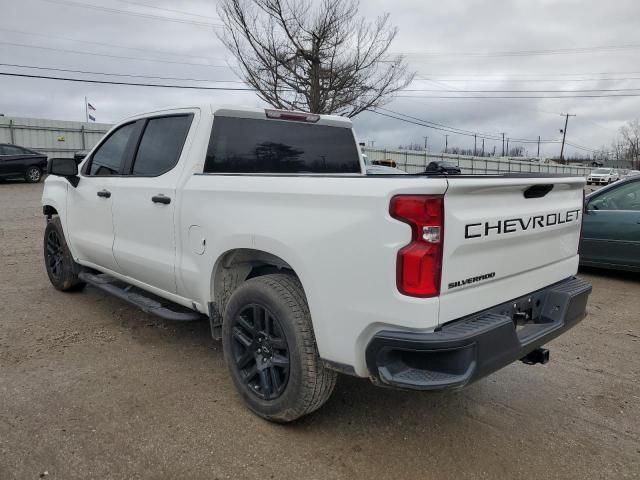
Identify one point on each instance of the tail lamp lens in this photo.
(419, 264)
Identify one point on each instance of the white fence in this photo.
(54, 138)
(415, 162)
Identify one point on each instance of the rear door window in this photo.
(161, 145)
(243, 145)
(12, 150)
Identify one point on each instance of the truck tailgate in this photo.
(506, 237)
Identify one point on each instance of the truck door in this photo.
(89, 219)
(144, 203)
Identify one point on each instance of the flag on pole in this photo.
(91, 107)
(92, 118)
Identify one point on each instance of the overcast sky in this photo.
(454, 46)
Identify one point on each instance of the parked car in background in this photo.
(372, 169)
(21, 162)
(442, 167)
(632, 173)
(611, 227)
(602, 176)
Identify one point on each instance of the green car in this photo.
(611, 227)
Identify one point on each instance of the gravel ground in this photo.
(93, 388)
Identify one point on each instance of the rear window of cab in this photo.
(246, 145)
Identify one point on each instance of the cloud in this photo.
(451, 45)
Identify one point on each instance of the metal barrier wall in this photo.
(415, 162)
(54, 138)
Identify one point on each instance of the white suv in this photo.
(602, 176)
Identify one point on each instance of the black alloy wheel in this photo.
(54, 253)
(260, 351)
(61, 268)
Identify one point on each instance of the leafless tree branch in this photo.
(321, 59)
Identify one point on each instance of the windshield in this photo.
(602, 170)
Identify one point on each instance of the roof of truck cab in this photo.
(243, 112)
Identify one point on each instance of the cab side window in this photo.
(108, 158)
(161, 145)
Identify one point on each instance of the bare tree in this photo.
(631, 138)
(320, 59)
(617, 147)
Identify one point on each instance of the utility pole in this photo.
(538, 146)
(507, 146)
(564, 133)
(372, 142)
(483, 147)
(426, 142)
(474, 144)
(446, 143)
(503, 133)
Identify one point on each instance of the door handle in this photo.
(104, 193)
(161, 199)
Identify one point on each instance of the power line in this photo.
(377, 112)
(532, 80)
(135, 14)
(80, 52)
(110, 45)
(441, 126)
(520, 96)
(109, 82)
(182, 12)
(526, 91)
(120, 74)
(523, 53)
(555, 74)
(424, 123)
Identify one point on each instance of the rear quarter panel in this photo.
(335, 232)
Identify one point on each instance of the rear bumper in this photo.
(472, 347)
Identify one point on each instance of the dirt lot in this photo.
(92, 388)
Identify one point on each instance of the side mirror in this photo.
(64, 167)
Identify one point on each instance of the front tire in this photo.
(61, 269)
(271, 351)
(33, 175)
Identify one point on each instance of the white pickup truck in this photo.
(265, 223)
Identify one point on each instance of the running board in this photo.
(142, 299)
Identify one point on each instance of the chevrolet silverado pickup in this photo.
(265, 224)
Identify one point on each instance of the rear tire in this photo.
(270, 349)
(33, 175)
(61, 269)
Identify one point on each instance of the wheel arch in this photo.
(49, 211)
(238, 265)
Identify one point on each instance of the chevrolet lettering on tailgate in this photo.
(511, 225)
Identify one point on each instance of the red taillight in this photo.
(419, 263)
